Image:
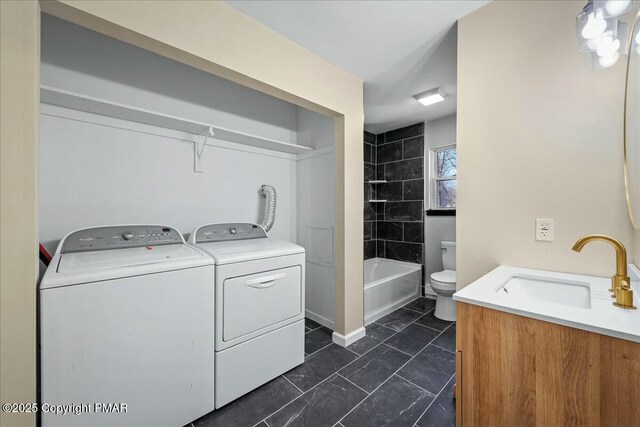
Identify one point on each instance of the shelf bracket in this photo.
(198, 148)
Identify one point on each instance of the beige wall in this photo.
(539, 136)
(19, 80)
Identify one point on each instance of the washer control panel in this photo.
(119, 237)
(229, 232)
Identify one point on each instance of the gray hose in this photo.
(269, 218)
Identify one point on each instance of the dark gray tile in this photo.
(375, 367)
(368, 192)
(404, 169)
(403, 211)
(380, 248)
(369, 138)
(413, 189)
(262, 424)
(430, 369)
(380, 171)
(398, 319)
(323, 405)
(367, 230)
(370, 249)
(252, 407)
(447, 339)
(412, 339)
(364, 344)
(389, 191)
(405, 132)
(413, 147)
(413, 232)
(432, 321)
(320, 366)
(379, 332)
(307, 329)
(387, 230)
(368, 153)
(380, 138)
(311, 324)
(370, 211)
(380, 211)
(402, 251)
(423, 305)
(442, 412)
(318, 339)
(389, 152)
(369, 172)
(397, 403)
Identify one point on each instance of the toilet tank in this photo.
(448, 255)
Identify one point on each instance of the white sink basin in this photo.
(574, 300)
(556, 291)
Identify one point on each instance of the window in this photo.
(443, 177)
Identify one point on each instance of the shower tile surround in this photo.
(395, 229)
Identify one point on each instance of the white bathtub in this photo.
(388, 285)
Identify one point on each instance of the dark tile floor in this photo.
(401, 374)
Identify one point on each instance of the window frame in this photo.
(434, 179)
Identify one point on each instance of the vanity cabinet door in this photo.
(517, 371)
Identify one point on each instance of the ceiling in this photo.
(398, 48)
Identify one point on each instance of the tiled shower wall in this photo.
(369, 208)
(396, 226)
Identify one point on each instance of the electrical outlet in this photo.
(544, 230)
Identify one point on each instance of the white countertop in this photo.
(602, 317)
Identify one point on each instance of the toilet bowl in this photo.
(443, 283)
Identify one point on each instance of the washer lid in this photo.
(82, 261)
(446, 276)
(246, 250)
(100, 266)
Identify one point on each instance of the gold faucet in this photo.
(620, 282)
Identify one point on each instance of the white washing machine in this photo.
(259, 294)
(126, 318)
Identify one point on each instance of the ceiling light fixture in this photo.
(600, 33)
(431, 96)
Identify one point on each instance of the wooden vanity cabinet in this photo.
(517, 371)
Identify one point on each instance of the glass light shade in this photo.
(612, 8)
(608, 46)
(591, 28)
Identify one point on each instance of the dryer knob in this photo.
(127, 235)
(233, 230)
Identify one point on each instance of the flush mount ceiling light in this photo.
(600, 33)
(431, 96)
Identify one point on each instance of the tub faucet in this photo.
(620, 282)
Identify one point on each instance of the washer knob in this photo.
(233, 230)
(127, 235)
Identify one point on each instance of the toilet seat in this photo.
(445, 279)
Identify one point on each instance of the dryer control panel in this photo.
(229, 232)
(119, 237)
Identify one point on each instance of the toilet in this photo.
(443, 283)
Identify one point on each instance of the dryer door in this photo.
(259, 300)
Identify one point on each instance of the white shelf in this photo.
(377, 181)
(376, 201)
(75, 101)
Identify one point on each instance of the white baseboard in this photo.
(320, 319)
(347, 340)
